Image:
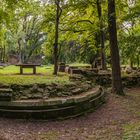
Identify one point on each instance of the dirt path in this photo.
(118, 119)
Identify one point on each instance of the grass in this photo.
(50, 135)
(10, 75)
(79, 64)
(15, 70)
(132, 131)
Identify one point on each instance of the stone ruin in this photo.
(14, 59)
(62, 67)
(129, 70)
(37, 59)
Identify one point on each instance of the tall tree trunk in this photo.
(131, 62)
(115, 58)
(138, 61)
(56, 51)
(103, 59)
(4, 53)
(0, 54)
(57, 2)
(20, 50)
(25, 41)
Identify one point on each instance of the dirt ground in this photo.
(117, 119)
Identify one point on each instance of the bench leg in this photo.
(21, 70)
(34, 70)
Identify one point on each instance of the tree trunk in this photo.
(20, 50)
(103, 60)
(4, 53)
(56, 38)
(114, 50)
(138, 61)
(0, 54)
(131, 62)
(132, 57)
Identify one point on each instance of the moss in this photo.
(51, 109)
(50, 135)
(79, 64)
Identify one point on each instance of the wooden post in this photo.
(34, 70)
(21, 70)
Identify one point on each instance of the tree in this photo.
(58, 14)
(80, 26)
(23, 33)
(99, 10)
(129, 36)
(114, 50)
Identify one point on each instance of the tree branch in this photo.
(72, 30)
(85, 21)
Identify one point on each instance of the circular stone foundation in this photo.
(55, 108)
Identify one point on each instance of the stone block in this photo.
(5, 94)
(75, 71)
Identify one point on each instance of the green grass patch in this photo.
(16, 69)
(10, 75)
(132, 131)
(50, 135)
(134, 97)
(79, 64)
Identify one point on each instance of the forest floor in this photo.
(117, 119)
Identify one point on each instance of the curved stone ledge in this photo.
(57, 108)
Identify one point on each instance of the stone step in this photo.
(5, 90)
(58, 108)
(5, 94)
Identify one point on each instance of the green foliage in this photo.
(29, 20)
(129, 34)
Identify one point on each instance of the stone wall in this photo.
(43, 91)
(105, 79)
(57, 108)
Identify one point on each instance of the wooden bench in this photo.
(33, 66)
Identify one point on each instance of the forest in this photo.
(69, 31)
